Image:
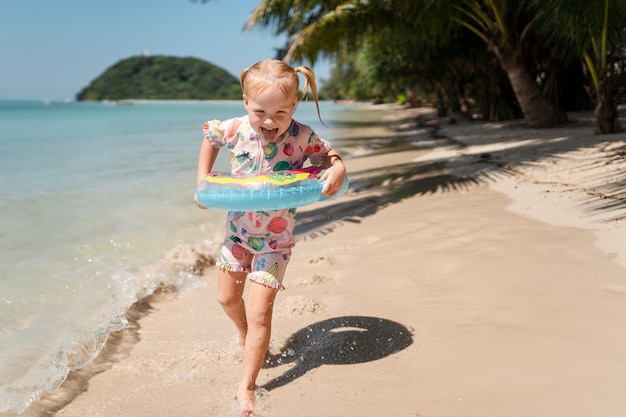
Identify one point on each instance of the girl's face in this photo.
(270, 113)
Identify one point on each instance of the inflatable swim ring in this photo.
(265, 191)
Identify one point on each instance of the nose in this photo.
(269, 121)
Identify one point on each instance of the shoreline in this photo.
(458, 194)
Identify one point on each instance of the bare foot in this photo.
(247, 401)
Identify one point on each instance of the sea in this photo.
(94, 198)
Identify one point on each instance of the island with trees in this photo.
(162, 78)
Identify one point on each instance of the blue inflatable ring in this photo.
(265, 191)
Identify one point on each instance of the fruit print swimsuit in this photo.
(264, 238)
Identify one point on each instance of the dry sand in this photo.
(475, 269)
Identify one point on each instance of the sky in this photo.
(51, 49)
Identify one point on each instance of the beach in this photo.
(473, 269)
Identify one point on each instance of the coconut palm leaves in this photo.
(512, 30)
(503, 25)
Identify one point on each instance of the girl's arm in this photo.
(206, 159)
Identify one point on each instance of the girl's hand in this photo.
(195, 200)
(335, 175)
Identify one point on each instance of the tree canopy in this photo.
(533, 51)
(162, 78)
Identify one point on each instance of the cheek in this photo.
(285, 125)
(254, 119)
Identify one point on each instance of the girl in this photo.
(258, 244)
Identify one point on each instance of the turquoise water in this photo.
(93, 197)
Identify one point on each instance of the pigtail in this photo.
(309, 82)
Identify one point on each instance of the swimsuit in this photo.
(260, 242)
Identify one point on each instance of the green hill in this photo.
(162, 78)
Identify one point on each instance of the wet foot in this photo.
(247, 401)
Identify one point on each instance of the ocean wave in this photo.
(180, 269)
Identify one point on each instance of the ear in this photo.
(245, 101)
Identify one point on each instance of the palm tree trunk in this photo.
(606, 119)
(538, 111)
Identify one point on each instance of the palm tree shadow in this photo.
(374, 189)
(344, 340)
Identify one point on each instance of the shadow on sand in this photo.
(338, 341)
(511, 146)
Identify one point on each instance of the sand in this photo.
(473, 269)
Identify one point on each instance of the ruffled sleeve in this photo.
(219, 133)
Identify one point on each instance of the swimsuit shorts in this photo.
(264, 268)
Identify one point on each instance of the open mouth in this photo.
(269, 133)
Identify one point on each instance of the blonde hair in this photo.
(277, 74)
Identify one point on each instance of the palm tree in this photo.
(505, 26)
(591, 31)
(328, 27)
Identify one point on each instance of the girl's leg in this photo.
(259, 318)
(230, 287)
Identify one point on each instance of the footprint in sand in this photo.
(322, 260)
(314, 280)
(298, 305)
